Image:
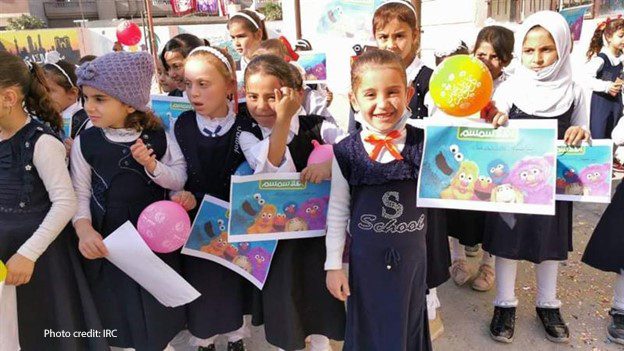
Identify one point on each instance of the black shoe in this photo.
(237, 346)
(615, 330)
(555, 327)
(503, 324)
(210, 347)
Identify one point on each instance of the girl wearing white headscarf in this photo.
(542, 88)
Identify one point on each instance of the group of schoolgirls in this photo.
(122, 160)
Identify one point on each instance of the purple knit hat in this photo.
(125, 76)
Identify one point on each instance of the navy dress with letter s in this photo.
(121, 190)
(388, 259)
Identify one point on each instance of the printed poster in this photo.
(32, 45)
(315, 66)
(584, 173)
(472, 166)
(574, 17)
(169, 108)
(209, 240)
(276, 207)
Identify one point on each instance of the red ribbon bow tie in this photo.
(385, 142)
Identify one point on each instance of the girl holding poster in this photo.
(36, 204)
(374, 182)
(494, 47)
(294, 302)
(209, 138)
(542, 88)
(606, 247)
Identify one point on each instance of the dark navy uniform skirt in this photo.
(466, 226)
(534, 238)
(605, 249)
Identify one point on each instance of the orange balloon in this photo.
(461, 85)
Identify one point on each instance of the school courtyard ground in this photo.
(586, 294)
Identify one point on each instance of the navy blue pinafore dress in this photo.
(57, 296)
(387, 308)
(211, 161)
(534, 238)
(606, 109)
(120, 192)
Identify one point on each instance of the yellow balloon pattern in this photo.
(3, 272)
(461, 85)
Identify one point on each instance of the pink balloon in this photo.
(321, 153)
(165, 226)
(128, 33)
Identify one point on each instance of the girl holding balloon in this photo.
(541, 88)
(36, 204)
(282, 141)
(119, 167)
(209, 138)
(494, 47)
(396, 29)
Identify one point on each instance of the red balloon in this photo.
(128, 33)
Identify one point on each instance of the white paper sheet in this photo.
(9, 337)
(130, 253)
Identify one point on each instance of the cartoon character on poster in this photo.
(471, 167)
(314, 65)
(347, 19)
(209, 240)
(584, 173)
(277, 206)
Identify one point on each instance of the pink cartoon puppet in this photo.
(596, 179)
(313, 213)
(532, 176)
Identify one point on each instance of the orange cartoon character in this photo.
(264, 221)
(463, 183)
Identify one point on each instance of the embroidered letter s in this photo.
(387, 202)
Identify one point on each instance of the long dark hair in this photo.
(606, 29)
(57, 75)
(32, 82)
(182, 43)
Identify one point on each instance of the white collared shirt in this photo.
(257, 151)
(413, 69)
(595, 65)
(217, 126)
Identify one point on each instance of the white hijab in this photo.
(549, 92)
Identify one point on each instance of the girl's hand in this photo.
(329, 98)
(91, 245)
(143, 155)
(317, 173)
(68, 145)
(575, 135)
(338, 284)
(19, 270)
(491, 114)
(616, 88)
(287, 103)
(185, 199)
